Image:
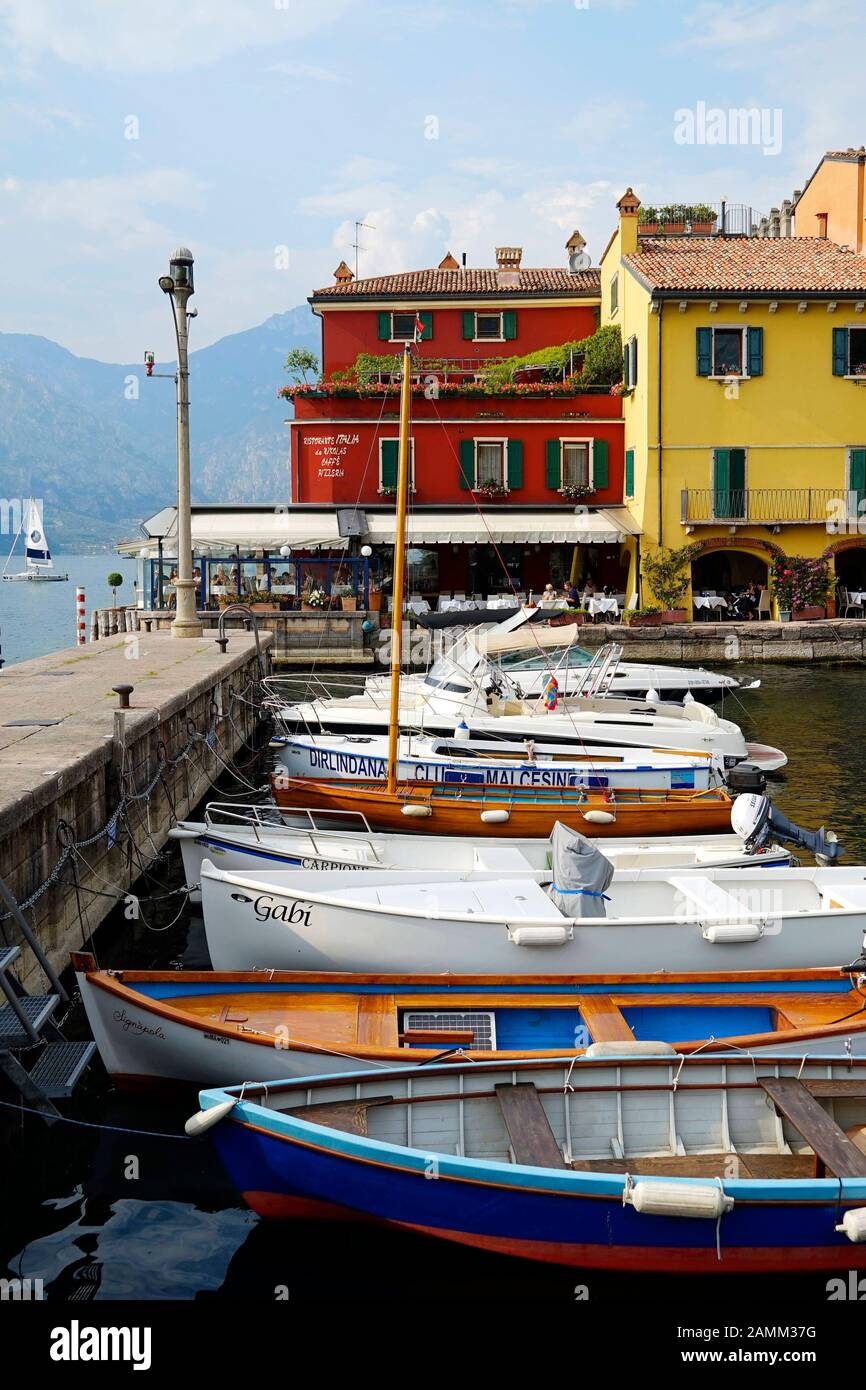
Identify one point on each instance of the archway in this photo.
(728, 571)
(848, 557)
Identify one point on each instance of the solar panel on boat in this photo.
(482, 1025)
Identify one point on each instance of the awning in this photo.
(220, 531)
(604, 526)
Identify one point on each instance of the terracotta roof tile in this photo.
(743, 265)
(454, 283)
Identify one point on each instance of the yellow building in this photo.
(745, 398)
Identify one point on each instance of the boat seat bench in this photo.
(831, 1145)
(532, 1140)
(708, 897)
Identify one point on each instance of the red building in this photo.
(516, 466)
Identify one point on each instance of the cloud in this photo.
(118, 211)
(155, 35)
(305, 71)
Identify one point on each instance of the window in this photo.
(575, 463)
(488, 326)
(485, 326)
(849, 352)
(402, 326)
(629, 364)
(388, 462)
(614, 294)
(399, 326)
(489, 462)
(730, 351)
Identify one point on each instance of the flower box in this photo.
(374, 601)
(809, 613)
(703, 228)
(349, 604)
(648, 229)
(645, 620)
(675, 615)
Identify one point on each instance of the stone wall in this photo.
(842, 639)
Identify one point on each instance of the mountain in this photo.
(96, 441)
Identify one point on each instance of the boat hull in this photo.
(528, 818)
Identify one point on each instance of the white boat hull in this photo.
(411, 923)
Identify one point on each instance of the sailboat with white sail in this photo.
(39, 566)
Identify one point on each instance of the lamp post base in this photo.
(186, 622)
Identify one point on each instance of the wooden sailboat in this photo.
(484, 810)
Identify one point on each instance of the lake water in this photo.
(40, 618)
(92, 1224)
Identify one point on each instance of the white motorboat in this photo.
(491, 763)
(490, 705)
(39, 566)
(238, 837)
(732, 919)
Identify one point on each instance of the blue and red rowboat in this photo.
(613, 1161)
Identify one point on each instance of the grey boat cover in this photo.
(581, 874)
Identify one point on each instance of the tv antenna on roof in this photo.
(356, 243)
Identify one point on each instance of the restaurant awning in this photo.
(218, 530)
(605, 526)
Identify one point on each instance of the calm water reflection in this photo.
(174, 1229)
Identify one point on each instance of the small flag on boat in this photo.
(419, 328)
(551, 693)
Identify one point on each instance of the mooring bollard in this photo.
(123, 693)
(147, 623)
(222, 643)
(80, 622)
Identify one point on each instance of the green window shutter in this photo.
(553, 464)
(384, 327)
(840, 351)
(389, 463)
(738, 470)
(467, 464)
(704, 350)
(625, 380)
(629, 472)
(729, 481)
(755, 351)
(426, 318)
(509, 324)
(857, 473)
(515, 464)
(468, 324)
(599, 464)
(634, 361)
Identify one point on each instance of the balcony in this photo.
(766, 506)
(699, 219)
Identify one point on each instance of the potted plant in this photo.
(648, 616)
(702, 219)
(667, 573)
(673, 219)
(801, 586)
(374, 599)
(569, 617)
(263, 600)
(346, 594)
(314, 599)
(647, 221)
(492, 488)
(114, 581)
(573, 492)
(229, 597)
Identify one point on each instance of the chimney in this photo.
(508, 257)
(627, 208)
(786, 225)
(822, 225)
(342, 275)
(448, 263)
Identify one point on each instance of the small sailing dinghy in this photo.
(587, 918)
(39, 565)
(259, 837)
(650, 1164)
(159, 1027)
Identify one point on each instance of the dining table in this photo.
(597, 604)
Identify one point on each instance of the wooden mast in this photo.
(399, 578)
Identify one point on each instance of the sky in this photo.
(256, 132)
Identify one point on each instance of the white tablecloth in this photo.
(418, 605)
(857, 596)
(456, 605)
(709, 601)
(601, 604)
(506, 601)
(555, 604)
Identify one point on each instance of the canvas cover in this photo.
(581, 874)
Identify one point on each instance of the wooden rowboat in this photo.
(680, 1165)
(186, 1028)
(433, 809)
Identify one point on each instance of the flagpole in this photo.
(399, 570)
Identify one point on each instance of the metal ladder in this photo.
(598, 676)
(27, 1021)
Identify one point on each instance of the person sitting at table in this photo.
(572, 595)
(549, 592)
(589, 587)
(220, 576)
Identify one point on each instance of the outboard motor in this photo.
(581, 874)
(757, 821)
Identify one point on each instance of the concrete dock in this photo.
(68, 757)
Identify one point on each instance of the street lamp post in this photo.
(179, 286)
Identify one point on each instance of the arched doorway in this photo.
(849, 563)
(728, 571)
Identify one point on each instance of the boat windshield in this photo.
(444, 675)
(546, 660)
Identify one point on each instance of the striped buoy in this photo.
(79, 616)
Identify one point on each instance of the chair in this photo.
(765, 605)
(851, 604)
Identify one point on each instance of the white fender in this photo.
(540, 936)
(416, 812)
(599, 817)
(640, 1047)
(498, 817)
(203, 1120)
(696, 1200)
(853, 1225)
(733, 933)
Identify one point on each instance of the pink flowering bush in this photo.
(800, 583)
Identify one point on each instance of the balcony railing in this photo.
(700, 219)
(462, 371)
(771, 506)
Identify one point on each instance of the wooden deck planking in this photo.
(832, 1147)
(532, 1139)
